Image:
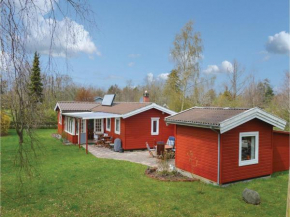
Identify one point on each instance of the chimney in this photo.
(145, 96)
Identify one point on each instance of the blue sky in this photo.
(134, 38)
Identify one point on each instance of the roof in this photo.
(121, 107)
(206, 115)
(222, 118)
(75, 106)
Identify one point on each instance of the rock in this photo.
(251, 196)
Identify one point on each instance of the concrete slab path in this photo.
(140, 156)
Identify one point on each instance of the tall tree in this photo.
(36, 86)
(172, 91)
(186, 54)
(237, 80)
(21, 21)
(84, 95)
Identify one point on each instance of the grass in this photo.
(67, 182)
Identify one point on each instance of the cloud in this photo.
(69, 37)
(131, 64)
(279, 43)
(211, 69)
(225, 66)
(163, 76)
(150, 77)
(134, 55)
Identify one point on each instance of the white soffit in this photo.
(248, 115)
(92, 115)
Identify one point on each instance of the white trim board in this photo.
(251, 114)
(146, 108)
(236, 120)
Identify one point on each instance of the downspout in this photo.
(219, 145)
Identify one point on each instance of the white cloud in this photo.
(225, 66)
(131, 64)
(150, 77)
(279, 43)
(211, 69)
(163, 76)
(134, 55)
(69, 37)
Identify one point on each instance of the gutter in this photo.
(219, 141)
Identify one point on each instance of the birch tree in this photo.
(186, 54)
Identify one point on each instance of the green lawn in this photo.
(67, 182)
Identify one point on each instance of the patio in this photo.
(141, 157)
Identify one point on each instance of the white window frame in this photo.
(118, 132)
(108, 128)
(157, 126)
(83, 126)
(70, 125)
(60, 118)
(253, 161)
(102, 126)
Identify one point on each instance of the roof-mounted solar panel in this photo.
(108, 99)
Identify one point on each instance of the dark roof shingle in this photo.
(206, 115)
(74, 106)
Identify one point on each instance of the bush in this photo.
(5, 123)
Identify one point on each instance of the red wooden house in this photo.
(133, 122)
(223, 145)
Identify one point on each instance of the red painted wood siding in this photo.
(197, 151)
(112, 132)
(230, 169)
(60, 127)
(138, 129)
(72, 138)
(280, 151)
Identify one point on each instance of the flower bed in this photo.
(168, 176)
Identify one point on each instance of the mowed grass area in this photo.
(67, 182)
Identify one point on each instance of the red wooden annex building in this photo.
(223, 145)
(135, 123)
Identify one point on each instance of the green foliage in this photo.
(4, 123)
(186, 53)
(36, 86)
(67, 182)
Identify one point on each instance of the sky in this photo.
(133, 40)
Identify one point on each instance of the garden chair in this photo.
(151, 150)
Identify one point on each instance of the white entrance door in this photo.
(99, 126)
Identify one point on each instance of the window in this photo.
(117, 125)
(249, 148)
(60, 118)
(98, 126)
(108, 124)
(77, 127)
(70, 125)
(155, 126)
(83, 126)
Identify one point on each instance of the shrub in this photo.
(5, 123)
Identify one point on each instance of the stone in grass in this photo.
(251, 196)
